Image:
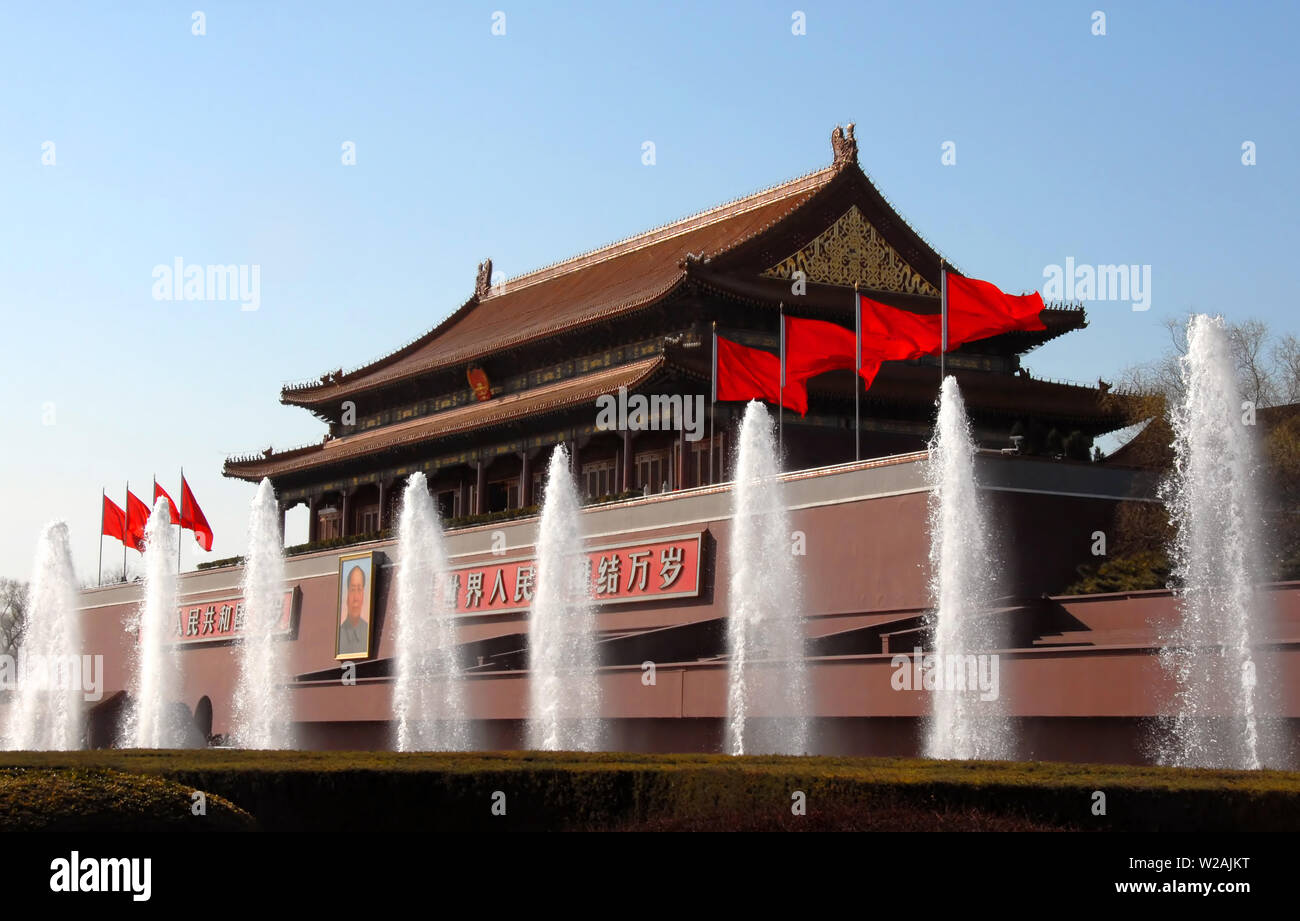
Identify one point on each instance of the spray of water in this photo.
(47, 713)
(1216, 556)
(156, 689)
(564, 694)
(961, 724)
(767, 683)
(262, 710)
(428, 694)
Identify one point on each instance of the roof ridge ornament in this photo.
(484, 280)
(844, 146)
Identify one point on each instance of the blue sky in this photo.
(526, 148)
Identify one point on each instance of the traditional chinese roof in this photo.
(594, 286)
(831, 229)
(561, 394)
(826, 223)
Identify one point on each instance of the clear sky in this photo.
(226, 148)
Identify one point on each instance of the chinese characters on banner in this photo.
(222, 620)
(664, 568)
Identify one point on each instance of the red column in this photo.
(629, 481)
(682, 466)
(525, 480)
(480, 487)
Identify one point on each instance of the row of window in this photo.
(654, 472)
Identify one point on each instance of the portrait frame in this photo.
(347, 563)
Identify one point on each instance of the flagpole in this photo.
(713, 404)
(943, 314)
(857, 382)
(126, 526)
(180, 529)
(99, 566)
(780, 402)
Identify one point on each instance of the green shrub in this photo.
(1141, 571)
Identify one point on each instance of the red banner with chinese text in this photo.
(667, 567)
(210, 621)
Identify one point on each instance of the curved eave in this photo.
(458, 421)
(344, 389)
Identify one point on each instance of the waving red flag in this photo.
(137, 519)
(160, 493)
(893, 334)
(814, 347)
(752, 374)
(977, 310)
(114, 521)
(192, 518)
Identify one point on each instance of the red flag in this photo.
(160, 493)
(752, 374)
(977, 310)
(814, 347)
(114, 520)
(893, 334)
(137, 519)
(192, 518)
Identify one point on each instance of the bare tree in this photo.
(1268, 367)
(1286, 359)
(13, 614)
(1256, 375)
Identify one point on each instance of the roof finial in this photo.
(484, 280)
(844, 146)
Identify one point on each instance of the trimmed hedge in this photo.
(95, 799)
(313, 791)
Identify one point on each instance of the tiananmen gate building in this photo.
(479, 402)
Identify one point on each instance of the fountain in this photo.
(47, 714)
(262, 716)
(965, 722)
(767, 682)
(564, 693)
(1216, 560)
(154, 721)
(428, 694)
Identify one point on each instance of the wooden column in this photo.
(284, 510)
(629, 481)
(345, 514)
(480, 486)
(683, 468)
(313, 518)
(525, 480)
(464, 496)
(383, 506)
